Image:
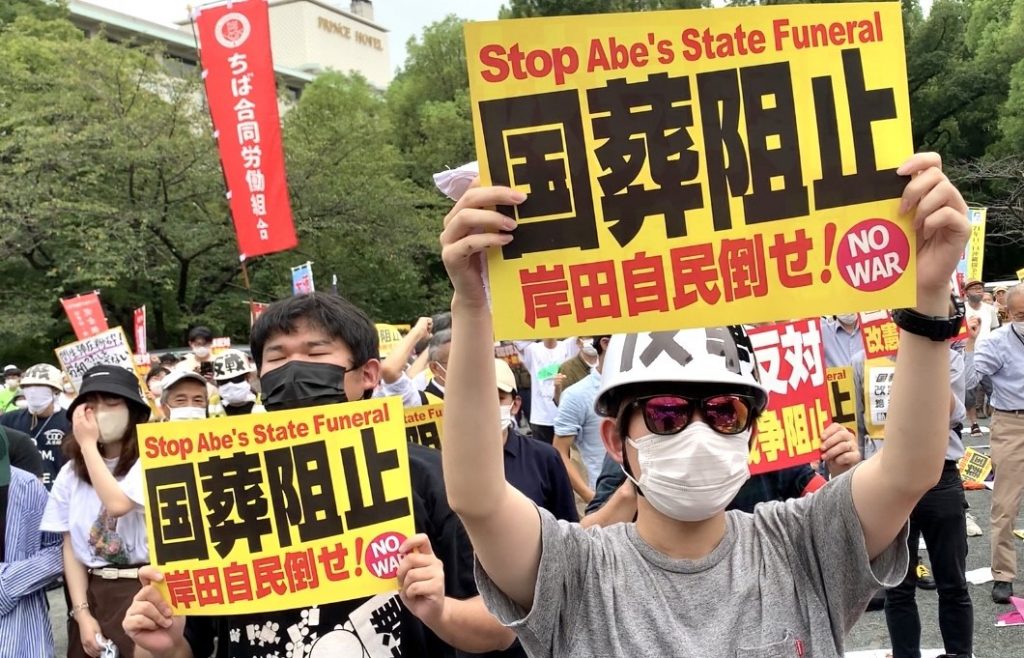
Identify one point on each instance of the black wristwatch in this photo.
(937, 329)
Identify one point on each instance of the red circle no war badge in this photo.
(873, 255)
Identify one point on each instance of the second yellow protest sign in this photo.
(278, 511)
(694, 168)
(423, 425)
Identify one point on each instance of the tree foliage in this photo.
(109, 177)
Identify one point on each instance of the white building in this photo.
(307, 37)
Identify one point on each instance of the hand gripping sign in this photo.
(278, 511)
(694, 168)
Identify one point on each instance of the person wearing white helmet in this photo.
(41, 384)
(798, 573)
(231, 372)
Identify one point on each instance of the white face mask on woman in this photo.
(694, 474)
(113, 423)
(38, 398)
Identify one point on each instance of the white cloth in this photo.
(402, 387)
(537, 358)
(453, 183)
(97, 539)
(989, 319)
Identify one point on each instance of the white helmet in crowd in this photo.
(43, 374)
(230, 364)
(715, 355)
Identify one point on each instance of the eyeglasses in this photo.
(727, 413)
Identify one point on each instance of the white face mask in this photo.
(38, 399)
(587, 348)
(692, 475)
(1019, 328)
(505, 418)
(847, 318)
(113, 423)
(235, 393)
(202, 351)
(156, 387)
(187, 413)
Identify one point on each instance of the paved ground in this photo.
(989, 641)
(870, 632)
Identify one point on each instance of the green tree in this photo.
(359, 218)
(41, 9)
(108, 180)
(429, 103)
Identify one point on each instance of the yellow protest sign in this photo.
(694, 168)
(1020, 275)
(840, 397)
(389, 337)
(976, 243)
(423, 425)
(974, 466)
(277, 511)
(878, 376)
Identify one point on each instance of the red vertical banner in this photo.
(238, 71)
(256, 310)
(791, 360)
(85, 314)
(140, 330)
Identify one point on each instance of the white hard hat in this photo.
(43, 374)
(716, 355)
(230, 364)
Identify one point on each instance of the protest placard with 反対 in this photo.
(424, 425)
(694, 168)
(792, 367)
(106, 348)
(278, 511)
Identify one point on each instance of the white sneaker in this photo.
(973, 530)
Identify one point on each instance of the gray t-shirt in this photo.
(791, 579)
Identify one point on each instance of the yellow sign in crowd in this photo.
(272, 511)
(704, 168)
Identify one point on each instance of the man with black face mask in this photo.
(313, 350)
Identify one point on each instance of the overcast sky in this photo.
(403, 18)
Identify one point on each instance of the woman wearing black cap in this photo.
(97, 503)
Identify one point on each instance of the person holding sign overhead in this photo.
(312, 350)
(799, 573)
(97, 504)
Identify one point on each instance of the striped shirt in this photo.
(33, 559)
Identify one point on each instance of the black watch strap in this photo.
(928, 326)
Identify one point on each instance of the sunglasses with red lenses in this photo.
(726, 413)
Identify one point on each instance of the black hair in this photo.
(200, 333)
(597, 343)
(441, 322)
(156, 372)
(337, 317)
(169, 358)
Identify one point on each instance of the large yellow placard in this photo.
(695, 168)
(278, 511)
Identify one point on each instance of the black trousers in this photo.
(941, 519)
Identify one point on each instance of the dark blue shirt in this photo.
(47, 433)
(537, 470)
